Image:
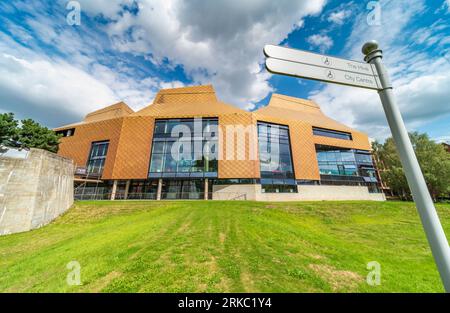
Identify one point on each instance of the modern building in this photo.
(190, 145)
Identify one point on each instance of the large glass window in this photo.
(97, 157)
(345, 162)
(363, 157)
(143, 189)
(331, 133)
(277, 173)
(336, 161)
(185, 148)
(183, 189)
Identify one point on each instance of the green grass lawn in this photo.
(235, 246)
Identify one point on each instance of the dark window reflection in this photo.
(345, 162)
(331, 133)
(97, 157)
(277, 173)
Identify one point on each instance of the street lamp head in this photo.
(369, 47)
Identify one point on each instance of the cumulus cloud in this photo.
(67, 70)
(32, 85)
(323, 42)
(445, 139)
(44, 87)
(339, 17)
(70, 80)
(218, 42)
(107, 8)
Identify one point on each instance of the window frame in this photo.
(331, 133)
(100, 159)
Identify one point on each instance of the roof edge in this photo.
(305, 102)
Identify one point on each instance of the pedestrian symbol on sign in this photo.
(330, 74)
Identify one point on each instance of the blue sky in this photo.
(126, 50)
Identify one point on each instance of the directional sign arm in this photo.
(278, 66)
(310, 58)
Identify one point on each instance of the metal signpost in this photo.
(372, 75)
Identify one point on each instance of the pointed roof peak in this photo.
(202, 93)
(292, 103)
(291, 108)
(189, 89)
(118, 109)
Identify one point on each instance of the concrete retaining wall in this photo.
(305, 193)
(323, 192)
(34, 190)
(239, 192)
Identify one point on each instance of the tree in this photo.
(8, 129)
(30, 134)
(433, 159)
(33, 135)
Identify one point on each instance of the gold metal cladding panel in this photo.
(117, 110)
(242, 165)
(180, 98)
(133, 154)
(303, 151)
(78, 147)
(187, 109)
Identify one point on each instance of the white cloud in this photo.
(68, 84)
(420, 81)
(33, 84)
(49, 88)
(445, 138)
(323, 42)
(108, 8)
(446, 4)
(436, 33)
(339, 17)
(218, 42)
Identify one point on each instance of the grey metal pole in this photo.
(430, 220)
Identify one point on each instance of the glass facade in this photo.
(183, 189)
(334, 161)
(331, 133)
(97, 157)
(277, 173)
(184, 148)
(143, 189)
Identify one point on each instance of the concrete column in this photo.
(206, 189)
(127, 187)
(158, 192)
(114, 189)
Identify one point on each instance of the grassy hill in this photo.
(197, 246)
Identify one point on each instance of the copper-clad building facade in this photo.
(125, 154)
